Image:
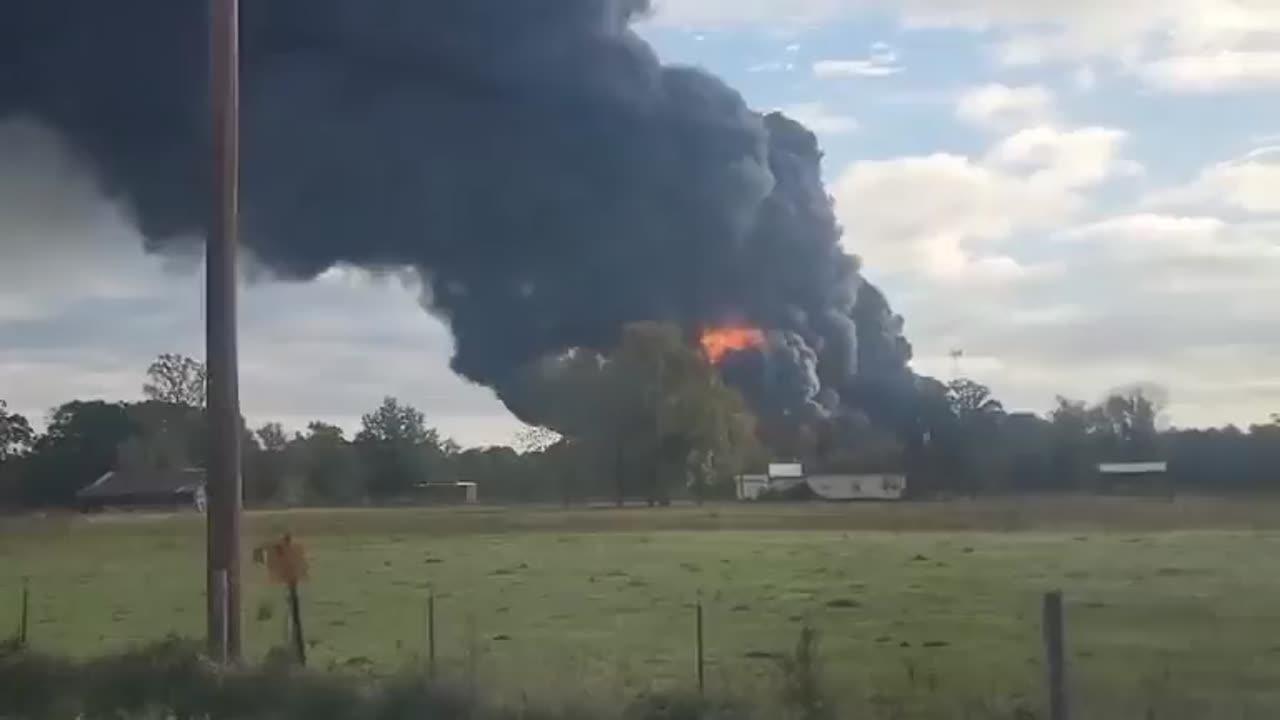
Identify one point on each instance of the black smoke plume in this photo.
(549, 178)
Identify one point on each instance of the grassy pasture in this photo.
(1172, 607)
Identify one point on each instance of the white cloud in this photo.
(1178, 44)
(974, 252)
(1085, 79)
(821, 119)
(1152, 239)
(1003, 107)
(1068, 159)
(772, 66)
(854, 68)
(1250, 184)
(937, 215)
(881, 62)
(1184, 301)
(1213, 72)
(944, 216)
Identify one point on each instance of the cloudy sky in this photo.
(1077, 195)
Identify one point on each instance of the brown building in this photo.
(145, 490)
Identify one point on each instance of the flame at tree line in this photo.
(719, 343)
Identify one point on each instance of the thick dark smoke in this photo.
(546, 174)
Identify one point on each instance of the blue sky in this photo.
(1078, 195)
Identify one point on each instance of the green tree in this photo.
(272, 437)
(80, 445)
(267, 466)
(169, 436)
(16, 435)
(971, 440)
(399, 451)
(659, 417)
(328, 466)
(1127, 422)
(16, 438)
(176, 380)
(1071, 448)
(972, 401)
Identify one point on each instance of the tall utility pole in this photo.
(224, 495)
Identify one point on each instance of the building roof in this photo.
(159, 482)
(786, 470)
(1133, 468)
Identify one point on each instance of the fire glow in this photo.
(719, 343)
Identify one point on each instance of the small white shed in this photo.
(750, 487)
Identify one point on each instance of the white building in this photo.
(783, 477)
(750, 487)
(858, 487)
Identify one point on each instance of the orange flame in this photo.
(719, 343)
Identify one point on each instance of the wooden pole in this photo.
(295, 612)
(218, 601)
(24, 614)
(223, 393)
(700, 648)
(431, 634)
(1055, 656)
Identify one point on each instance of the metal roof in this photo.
(786, 470)
(158, 482)
(1133, 468)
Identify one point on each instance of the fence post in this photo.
(700, 657)
(295, 612)
(1055, 655)
(431, 633)
(24, 614)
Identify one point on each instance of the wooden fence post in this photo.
(700, 657)
(295, 612)
(1055, 655)
(24, 612)
(431, 633)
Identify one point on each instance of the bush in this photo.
(174, 681)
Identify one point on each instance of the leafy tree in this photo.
(972, 401)
(659, 417)
(16, 435)
(267, 464)
(399, 451)
(329, 466)
(1127, 422)
(16, 438)
(969, 438)
(1073, 445)
(272, 438)
(169, 436)
(80, 445)
(177, 380)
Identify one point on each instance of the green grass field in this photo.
(1172, 607)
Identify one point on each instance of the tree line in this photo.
(651, 421)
